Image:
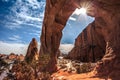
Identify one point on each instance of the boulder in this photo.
(21, 57)
(12, 56)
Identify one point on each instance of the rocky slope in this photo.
(89, 45)
(107, 19)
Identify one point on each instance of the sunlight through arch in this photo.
(76, 23)
(80, 11)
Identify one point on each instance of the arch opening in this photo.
(81, 39)
(76, 23)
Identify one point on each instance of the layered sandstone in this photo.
(32, 51)
(107, 19)
(89, 45)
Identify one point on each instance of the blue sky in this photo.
(74, 27)
(21, 20)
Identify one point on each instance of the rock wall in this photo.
(107, 19)
(89, 45)
(32, 51)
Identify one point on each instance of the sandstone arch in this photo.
(107, 18)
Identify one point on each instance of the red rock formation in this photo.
(107, 18)
(32, 51)
(12, 56)
(89, 45)
(56, 15)
(21, 57)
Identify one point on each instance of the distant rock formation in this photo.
(89, 45)
(21, 57)
(12, 56)
(32, 51)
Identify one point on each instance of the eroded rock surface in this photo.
(32, 51)
(107, 18)
(89, 45)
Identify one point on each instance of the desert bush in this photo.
(84, 67)
(3, 63)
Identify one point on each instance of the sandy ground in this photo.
(61, 75)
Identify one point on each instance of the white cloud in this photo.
(65, 48)
(33, 3)
(31, 24)
(36, 34)
(19, 48)
(16, 38)
(72, 18)
(5, 0)
(12, 25)
(30, 12)
(29, 18)
(18, 22)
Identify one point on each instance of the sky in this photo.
(21, 20)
